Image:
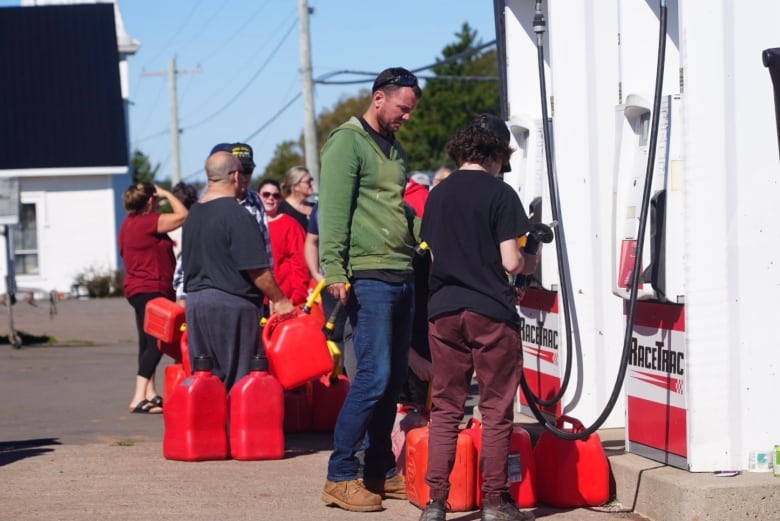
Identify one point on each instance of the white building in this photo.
(64, 100)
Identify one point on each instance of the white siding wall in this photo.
(76, 229)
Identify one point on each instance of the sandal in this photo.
(146, 407)
(157, 401)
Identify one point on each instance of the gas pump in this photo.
(548, 337)
(661, 277)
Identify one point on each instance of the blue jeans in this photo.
(381, 316)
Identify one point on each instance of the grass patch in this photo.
(124, 443)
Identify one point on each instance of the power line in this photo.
(273, 118)
(324, 78)
(248, 83)
(177, 32)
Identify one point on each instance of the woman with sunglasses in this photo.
(298, 188)
(287, 238)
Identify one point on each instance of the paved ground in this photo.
(69, 450)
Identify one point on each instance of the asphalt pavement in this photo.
(70, 450)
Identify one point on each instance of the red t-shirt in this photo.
(290, 270)
(148, 256)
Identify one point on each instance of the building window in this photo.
(25, 241)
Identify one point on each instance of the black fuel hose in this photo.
(636, 272)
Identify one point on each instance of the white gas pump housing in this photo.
(663, 251)
(703, 351)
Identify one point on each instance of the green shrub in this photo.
(101, 283)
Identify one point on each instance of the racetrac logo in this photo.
(536, 337)
(661, 359)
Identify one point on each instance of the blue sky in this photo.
(249, 55)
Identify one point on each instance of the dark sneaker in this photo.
(506, 510)
(393, 488)
(435, 510)
(351, 495)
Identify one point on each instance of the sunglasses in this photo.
(275, 195)
(401, 80)
(308, 181)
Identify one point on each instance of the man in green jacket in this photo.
(366, 241)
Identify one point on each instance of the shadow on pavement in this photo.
(12, 451)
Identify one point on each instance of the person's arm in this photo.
(311, 251)
(510, 257)
(338, 187)
(170, 221)
(264, 280)
(421, 367)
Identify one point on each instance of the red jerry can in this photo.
(462, 478)
(256, 415)
(174, 374)
(327, 396)
(196, 417)
(571, 473)
(521, 466)
(408, 417)
(163, 319)
(297, 409)
(296, 349)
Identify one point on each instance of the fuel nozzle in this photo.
(529, 243)
(540, 233)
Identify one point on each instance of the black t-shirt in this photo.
(465, 220)
(221, 240)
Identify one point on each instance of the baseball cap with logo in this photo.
(241, 150)
(244, 153)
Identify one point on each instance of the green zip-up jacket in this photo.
(362, 221)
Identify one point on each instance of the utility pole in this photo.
(171, 73)
(309, 126)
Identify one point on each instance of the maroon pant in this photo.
(460, 344)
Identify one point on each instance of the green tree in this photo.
(448, 104)
(286, 155)
(143, 171)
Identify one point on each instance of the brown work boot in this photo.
(392, 488)
(351, 495)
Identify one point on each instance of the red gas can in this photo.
(297, 409)
(163, 319)
(327, 396)
(571, 473)
(256, 414)
(296, 349)
(196, 416)
(462, 479)
(408, 417)
(521, 466)
(174, 373)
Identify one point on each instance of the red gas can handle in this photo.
(576, 425)
(274, 320)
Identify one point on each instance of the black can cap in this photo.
(259, 363)
(202, 363)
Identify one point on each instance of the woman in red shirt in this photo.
(147, 252)
(287, 237)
